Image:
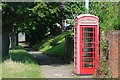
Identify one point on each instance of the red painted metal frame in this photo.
(79, 45)
(86, 70)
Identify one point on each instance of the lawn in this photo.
(54, 45)
(20, 64)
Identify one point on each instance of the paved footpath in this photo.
(53, 67)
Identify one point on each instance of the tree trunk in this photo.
(26, 38)
(16, 39)
(0, 42)
(5, 42)
(13, 40)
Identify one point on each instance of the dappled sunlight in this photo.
(57, 51)
(60, 41)
(53, 45)
(45, 48)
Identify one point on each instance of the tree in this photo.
(13, 16)
(36, 19)
(53, 13)
(107, 13)
(6, 26)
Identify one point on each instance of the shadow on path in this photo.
(51, 67)
(43, 59)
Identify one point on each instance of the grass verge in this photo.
(57, 51)
(20, 64)
(54, 45)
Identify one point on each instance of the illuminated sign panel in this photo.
(88, 20)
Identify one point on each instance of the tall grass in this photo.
(0, 70)
(20, 64)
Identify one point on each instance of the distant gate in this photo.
(21, 37)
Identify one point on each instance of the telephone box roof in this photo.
(83, 15)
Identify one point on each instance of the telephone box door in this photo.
(89, 49)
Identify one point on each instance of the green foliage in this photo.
(54, 42)
(53, 10)
(73, 9)
(20, 18)
(27, 16)
(104, 44)
(45, 9)
(107, 13)
(103, 71)
(1, 6)
(37, 19)
(48, 13)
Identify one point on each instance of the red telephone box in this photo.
(86, 44)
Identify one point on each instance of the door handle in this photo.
(80, 44)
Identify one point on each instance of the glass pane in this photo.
(88, 29)
(88, 49)
(87, 39)
(88, 44)
(87, 59)
(88, 34)
(88, 54)
(87, 65)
